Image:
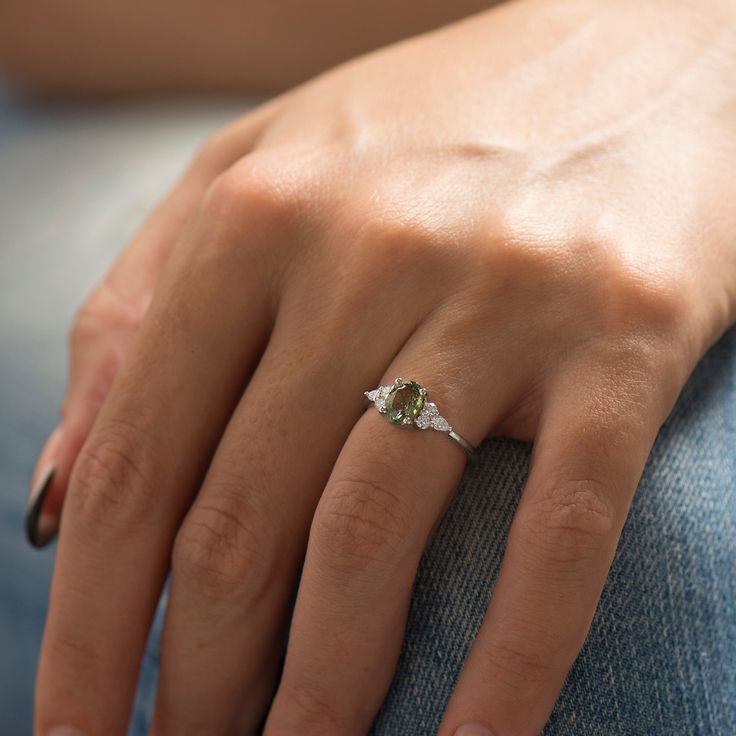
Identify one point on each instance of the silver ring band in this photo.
(469, 449)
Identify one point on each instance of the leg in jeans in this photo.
(660, 659)
(661, 655)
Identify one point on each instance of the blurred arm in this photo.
(94, 47)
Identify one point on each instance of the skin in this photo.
(539, 229)
(83, 47)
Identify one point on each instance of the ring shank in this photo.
(466, 446)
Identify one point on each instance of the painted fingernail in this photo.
(41, 525)
(65, 731)
(469, 729)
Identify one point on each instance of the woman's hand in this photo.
(532, 214)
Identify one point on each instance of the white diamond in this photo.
(426, 415)
(440, 423)
(423, 421)
(378, 396)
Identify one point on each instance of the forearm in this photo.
(86, 47)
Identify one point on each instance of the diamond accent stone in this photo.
(440, 424)
(423, 421)
(378, 397)
(430, 417)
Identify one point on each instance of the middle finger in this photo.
(238, 551)
(387, 492)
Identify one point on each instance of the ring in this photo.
(405, 403)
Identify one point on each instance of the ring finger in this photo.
(385, 495)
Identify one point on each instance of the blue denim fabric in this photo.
(660, 659)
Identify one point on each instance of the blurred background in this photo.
(75, 183)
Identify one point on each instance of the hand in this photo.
(531, 213)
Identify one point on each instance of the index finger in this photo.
(112, 313)
(138, 470)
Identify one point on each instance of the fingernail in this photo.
(41, 525)
(64, 731)
(469, 729)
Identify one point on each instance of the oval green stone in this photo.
(404, 400)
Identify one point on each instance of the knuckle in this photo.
(516, 668)
(86, 324)
(650, 314)
(412, 246)
(89, 322)
(261, 190)
(387, 230)
(659, 302)
(504, 252)
(213, 154)
(76, 648)
(569, 525)
(112, 483)
(229, 143)
(220, 550)
(594, 277)
(258, 209)
(361, 523)
(510, 267)
(107, 310)
(302, 706)
(390, 249)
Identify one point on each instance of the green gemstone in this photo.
(404, 400)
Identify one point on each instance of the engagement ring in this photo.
(406, 404)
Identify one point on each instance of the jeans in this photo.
(660, 658)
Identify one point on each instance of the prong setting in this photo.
(415, 410)
(405, 403)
